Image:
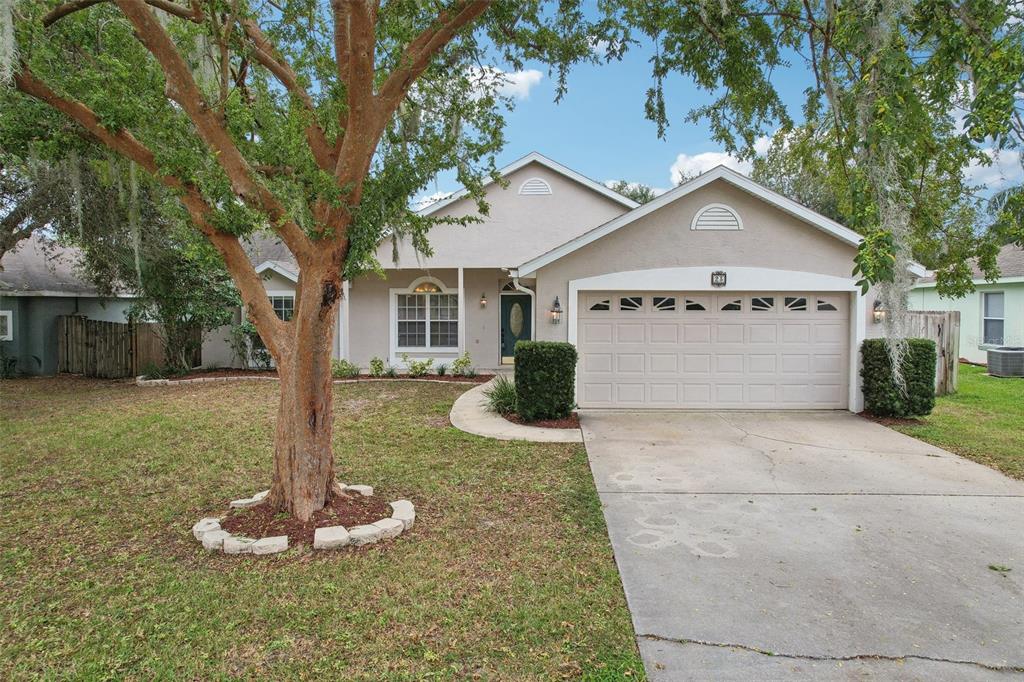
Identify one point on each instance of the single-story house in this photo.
(991, 316)
(38, 283)
(717, 294)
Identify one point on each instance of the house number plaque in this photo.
(718, 278)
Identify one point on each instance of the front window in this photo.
(284, 306)
(992, 322)
(427, 318)
(6, 326)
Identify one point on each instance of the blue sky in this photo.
(599, 128)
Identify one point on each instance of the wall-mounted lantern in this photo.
(483, 300)
(878, 312)
(556, 312)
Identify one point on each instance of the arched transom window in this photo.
(426, 316)
(716, 217)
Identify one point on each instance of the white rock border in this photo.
(213, 538)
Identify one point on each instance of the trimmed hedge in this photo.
(545, 379)
(881, 395)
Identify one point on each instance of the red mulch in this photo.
(892, 421)
(215, 373)
(261, 521)
(570, 422)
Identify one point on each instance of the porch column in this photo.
(462, 313)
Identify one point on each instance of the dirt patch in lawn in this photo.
(570, 422)
(892, 421)
(261, 521)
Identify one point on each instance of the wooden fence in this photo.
(942, 327)
(107, 349)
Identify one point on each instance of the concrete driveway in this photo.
(811, 545)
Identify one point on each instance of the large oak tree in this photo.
(320, 119)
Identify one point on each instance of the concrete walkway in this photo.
(470, 414)
(812, 545)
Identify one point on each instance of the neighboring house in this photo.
(717, 294)
(38, 282)
(991, 316)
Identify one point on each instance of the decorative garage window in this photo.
(426, 317)
(535, 187)
(716, 217)
(732, 305)
(284, 306)
(601, 305)
(664, 303)
(629, 303)
(696, 304)
(992, 318)
(824, 305)
(762, 303)
(6, 325)
(796, 303)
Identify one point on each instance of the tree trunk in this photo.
(303, 456)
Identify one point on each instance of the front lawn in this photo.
(983, 421)
(508, 572)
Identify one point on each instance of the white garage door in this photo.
(753, 350)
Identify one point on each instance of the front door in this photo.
(516, 317)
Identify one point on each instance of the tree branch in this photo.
(61, 11)
(417, 54)
(123, 142)
(264, 53)
(181, 87)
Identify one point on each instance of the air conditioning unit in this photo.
(1006, 362)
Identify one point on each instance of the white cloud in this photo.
(421, 202)
(1005, 169)
(688, 166)
(514, 84)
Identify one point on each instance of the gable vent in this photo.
(716, 217)
(535, 187)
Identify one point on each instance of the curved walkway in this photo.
(470, 414)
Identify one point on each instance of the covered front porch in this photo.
(439, 314)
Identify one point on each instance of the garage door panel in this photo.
(630, 363)
(729, 333)
(697, 364)
(596, 332)
(745, 350)
(664, 363)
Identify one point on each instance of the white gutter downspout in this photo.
(533, 301)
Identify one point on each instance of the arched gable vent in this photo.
(535, 187)
(716, 217)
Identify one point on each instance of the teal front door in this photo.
(516, 318)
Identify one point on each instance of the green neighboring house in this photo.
(990, 317)
(38, 282)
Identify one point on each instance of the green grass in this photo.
(983, 421)
(508, 573)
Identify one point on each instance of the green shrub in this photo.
(390, 372)
(376, 367)
(417, 368)
(501, 396)
(343, 369)
(461, 365)
(545, 379)
(442, 369)
(882, 396)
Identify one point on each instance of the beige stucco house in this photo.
(717, 294)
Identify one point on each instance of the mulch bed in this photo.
(261, 521)
(220, 373)
(570, 422)
(892, 421)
